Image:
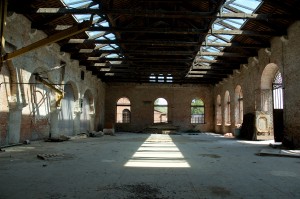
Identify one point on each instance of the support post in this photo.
(92, 121)
(54, 122)
(77, 122)
(14, 122)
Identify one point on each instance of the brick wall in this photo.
(142, 97)
(257, 75)
(36, 106)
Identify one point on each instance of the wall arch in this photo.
(265, 114)
(268, 75)
(267, 79)
(75, 97)
(36, 114)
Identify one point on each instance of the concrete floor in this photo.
(144, 166)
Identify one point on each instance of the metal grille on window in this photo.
(278, 92)
(197, 112)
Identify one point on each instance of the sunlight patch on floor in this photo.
(158, 151)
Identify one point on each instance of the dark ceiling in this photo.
(161, 40)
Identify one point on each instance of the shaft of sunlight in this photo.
(158, 151)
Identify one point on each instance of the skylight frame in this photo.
(222, 38)
(98, 21)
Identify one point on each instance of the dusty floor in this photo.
(144, 166)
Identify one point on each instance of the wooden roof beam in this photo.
(191, 31)
(104, 59)
(151, 52)
(149, 13)
(215, 61)
(164, 43)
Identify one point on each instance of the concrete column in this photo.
(14, 122)
(54, 122)
(77, 122)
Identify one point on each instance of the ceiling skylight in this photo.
(98, 21)
(230, 6)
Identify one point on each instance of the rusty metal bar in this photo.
(51, 39)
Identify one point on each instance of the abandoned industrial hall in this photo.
(69, 67)
(149, 99)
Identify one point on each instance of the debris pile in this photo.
(161, 128)
(96, 134)
(60, 138)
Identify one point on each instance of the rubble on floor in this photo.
(228, 135)
(53, 156)
(87, 134)
(96, 134)
(108, 131)
(79, 136)
(134, 191)
(161, 128)
(280, 152)
(60, 138)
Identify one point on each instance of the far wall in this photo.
(142, 97)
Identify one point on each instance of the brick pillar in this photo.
(14, 122)
(54, 122)
(92, 121)
(77, 122)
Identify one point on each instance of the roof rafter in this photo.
(150, 13)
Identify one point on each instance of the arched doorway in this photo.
(39, 101)
(269, 118)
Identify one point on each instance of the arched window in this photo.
(227, 108)
(197, 111)
(123, 110)
(160, 110)
(239, 109)
(219, 110)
